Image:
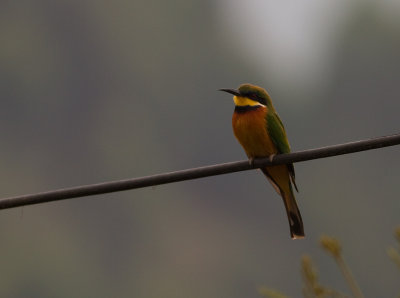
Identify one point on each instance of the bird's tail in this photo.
(279, 178)
(294, 216)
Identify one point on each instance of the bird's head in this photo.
(249, 95)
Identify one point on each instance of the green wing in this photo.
(277, 133)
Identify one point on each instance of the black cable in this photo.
(219, 169)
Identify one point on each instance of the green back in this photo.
(277, 132)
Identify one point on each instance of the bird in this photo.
(260, 131)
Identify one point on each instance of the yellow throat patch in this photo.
(244, 101)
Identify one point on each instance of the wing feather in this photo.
(277, 133)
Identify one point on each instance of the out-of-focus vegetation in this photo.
(394, 252)
(311, 285)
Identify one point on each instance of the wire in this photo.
(218, 169)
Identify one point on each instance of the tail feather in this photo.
(294, 216)
(279, 178)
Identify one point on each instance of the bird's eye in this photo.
(253, 97)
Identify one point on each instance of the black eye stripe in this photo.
(256, 98)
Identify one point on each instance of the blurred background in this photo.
(92, 91)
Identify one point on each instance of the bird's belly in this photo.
(250, 129)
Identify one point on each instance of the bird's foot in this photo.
(251, 161)
(271, 157)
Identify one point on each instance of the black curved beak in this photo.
(231, 91)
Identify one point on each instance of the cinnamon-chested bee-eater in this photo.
(260, 131)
